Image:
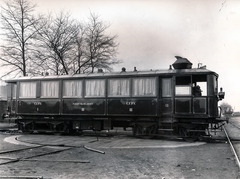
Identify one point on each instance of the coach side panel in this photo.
(136, 96)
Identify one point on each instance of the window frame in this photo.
(129, 87)
(205, 105)
(181, 100)
(58, 92)
(145, 77)
(183, 86)
(94, 96)
(14, 91)
(29, 97)
(72, 80)
(162, 88)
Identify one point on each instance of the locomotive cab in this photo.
(195, 94)
(196, 91)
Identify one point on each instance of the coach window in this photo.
(95, 88)
(27, 90)
(144, 86)
(72, 88)
(166, 87)
(49, 89)
(167, 102)
(14, 91)
(118, 87)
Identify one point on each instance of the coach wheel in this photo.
(56, 127)
(145, 132)
(183, 132)
(24, 127)
(191, 133)
(68, 129)
(198, 131)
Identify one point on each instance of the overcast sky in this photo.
(152, 32)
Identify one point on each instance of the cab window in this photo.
(183, 90)
(199, 85)
(183, 86)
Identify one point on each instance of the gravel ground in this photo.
(211, 160)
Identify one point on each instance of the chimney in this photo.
(182, 63)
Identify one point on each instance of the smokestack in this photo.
(182, 63)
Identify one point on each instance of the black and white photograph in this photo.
(119, 89)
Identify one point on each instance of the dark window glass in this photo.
(199, 105)
(183, 80)
(182, 105)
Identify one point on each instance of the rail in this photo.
(232, 148)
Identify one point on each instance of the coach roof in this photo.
(117, 74)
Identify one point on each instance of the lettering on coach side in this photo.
(130, 103)
(37, 103)
(82, 104)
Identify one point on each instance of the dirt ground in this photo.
(210, 160)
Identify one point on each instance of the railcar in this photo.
(180, 100)
(3, 100)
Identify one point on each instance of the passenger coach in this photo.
(182, 100)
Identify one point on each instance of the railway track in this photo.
(34, 152)
(40, 159)
(39, 150)
(231, 139)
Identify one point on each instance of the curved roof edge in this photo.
(117, 74)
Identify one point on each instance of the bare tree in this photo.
(100, 49)
(60, 45)
(79, 61)
(68, 47)
(57, 40)
(18, 26)
(226, 108)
